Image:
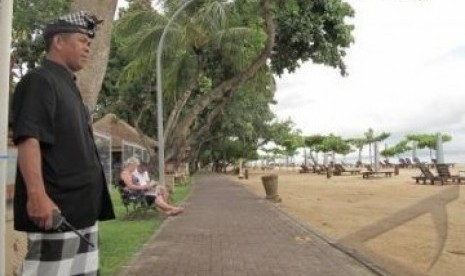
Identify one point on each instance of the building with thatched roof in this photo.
(124, 136)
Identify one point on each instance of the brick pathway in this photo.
(227, 230)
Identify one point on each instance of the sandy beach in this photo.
(406, 228)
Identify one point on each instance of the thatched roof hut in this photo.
(119, 130)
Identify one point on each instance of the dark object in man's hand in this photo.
(60, 223)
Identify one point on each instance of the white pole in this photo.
(6, 14)
(161, 138)
(376, 150)
(439, 149)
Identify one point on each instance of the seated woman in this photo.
(141, 176)
(131, 183)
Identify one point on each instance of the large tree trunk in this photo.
(91, 77)
(177, 142)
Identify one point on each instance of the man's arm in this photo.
(39, 204)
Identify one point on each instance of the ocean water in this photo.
(450, 156)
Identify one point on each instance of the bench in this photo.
(373, 173)
(129, 198)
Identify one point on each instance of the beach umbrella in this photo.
(376, 150)
(439, 149)
(414, 151)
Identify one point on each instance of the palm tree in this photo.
(312, 142)
(358, 143)
(202, 46)
(371, 138)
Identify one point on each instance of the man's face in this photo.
(75, 50)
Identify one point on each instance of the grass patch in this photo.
(121, 238)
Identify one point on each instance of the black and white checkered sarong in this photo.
(62, 254)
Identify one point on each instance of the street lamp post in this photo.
(161, 138)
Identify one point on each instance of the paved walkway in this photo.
(226, 230)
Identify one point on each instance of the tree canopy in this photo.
(215, 50)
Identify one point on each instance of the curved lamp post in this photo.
(161, 138)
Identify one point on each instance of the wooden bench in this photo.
(367, 174)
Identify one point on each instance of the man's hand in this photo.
(40, 210)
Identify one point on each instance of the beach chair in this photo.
(359, 164)
(370, 172)
(416, 160)
(408, 163)
(319, 169)
(402, 163)
(388, 164)
(427, 175)
(339, 169)
(136, 199)
(445, 174)
(304, 169)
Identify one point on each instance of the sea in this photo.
(450, 156)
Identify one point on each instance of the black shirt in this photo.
(47, 106)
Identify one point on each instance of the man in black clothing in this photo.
(59, 169)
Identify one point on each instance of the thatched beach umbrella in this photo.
(439, 149)
(414, 150)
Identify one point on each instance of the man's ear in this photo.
(58, 41)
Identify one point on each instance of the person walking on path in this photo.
(59, 169)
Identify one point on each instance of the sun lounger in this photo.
(340, 169)
(427, 175)
(305, 169)
(445, 174)
(319, 169)
(370, 172)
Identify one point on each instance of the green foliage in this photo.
(211, 42)
(29, 17)
(311, 30)
(332, 143)
(399, 148)
(371, 138)
(243, 125)
(337, 144)
(313, 141)
(290, 141)
(357, 142)
(428, 140)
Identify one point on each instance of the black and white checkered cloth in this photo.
(62, 254)
(78, 18)
(81, 22)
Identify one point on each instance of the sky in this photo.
(406, 75)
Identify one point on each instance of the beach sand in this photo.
(396, 223)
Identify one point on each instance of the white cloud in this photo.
(405, 75)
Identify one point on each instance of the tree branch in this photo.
(233, 83)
